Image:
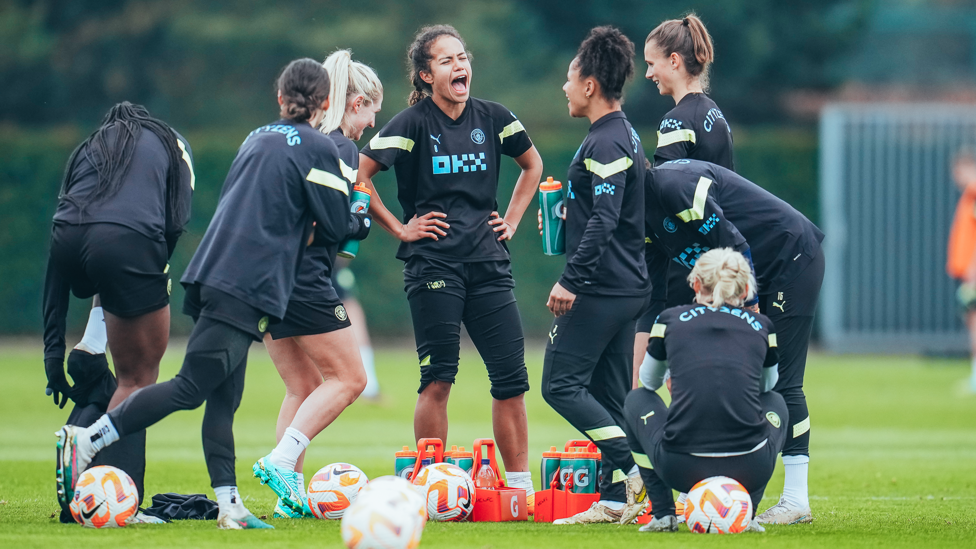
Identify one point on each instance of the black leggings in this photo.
(647, 415)
(212, 372)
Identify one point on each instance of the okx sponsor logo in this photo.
(471, 162)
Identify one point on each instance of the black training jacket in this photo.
(695, 128)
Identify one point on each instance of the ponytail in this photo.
(689, 38)
(419, 58)
(348, 79)
(726, 275)
(303, 85)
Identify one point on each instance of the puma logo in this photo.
(644, 417)
(438, 138)
(780, 306)
(553, 334)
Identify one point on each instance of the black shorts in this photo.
(442, 295)
(310, 318)
(125, 268)
(204, 301)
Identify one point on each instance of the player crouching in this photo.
(724, 418)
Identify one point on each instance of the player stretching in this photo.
(695, 206)
(679, 54)
(314, 347)
(604, 287)
(285, 175)
(446, 150)
(123, 205)
(724, 419)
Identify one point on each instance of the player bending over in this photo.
(285, 176)
(314, 347)
(724, 418)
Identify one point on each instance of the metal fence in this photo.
(887, 201)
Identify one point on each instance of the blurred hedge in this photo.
(31, 164)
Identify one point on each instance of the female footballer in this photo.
(695, 206)
(604, 287)
(314, 347)
(446, 150)
(285, 176)
(679, 54)
(724, 418)
(124, 202)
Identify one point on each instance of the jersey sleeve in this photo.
(696, 206)
(607, 163)
(675, 139)
(512, 137)
(328, 197)
(55, 305)
(174, 224)
(394, 142)
(348, 160)
(655, 345)
(772, 353)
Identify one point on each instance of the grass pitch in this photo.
(893, 459)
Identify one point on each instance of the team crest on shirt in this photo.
(340, 313)
(263, 324)
(669, 225)
(478, 136)
(773, 419)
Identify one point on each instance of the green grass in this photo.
(893, 459)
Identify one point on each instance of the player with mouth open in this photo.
(446, 151)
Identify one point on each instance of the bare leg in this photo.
(640, 349)
(301, 378)
(336, 356)
(430, 415)
(137, 347)
(511, 427)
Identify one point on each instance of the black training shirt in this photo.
(314, 282)
(141, 202)
(695, 206)
(605, 213)
(716, 357)
(695, 128)
(285, 175)
(450, 166)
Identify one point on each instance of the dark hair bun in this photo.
(608, 56)
(304, 86)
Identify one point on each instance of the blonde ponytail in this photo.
(726, 275)
(348, 79)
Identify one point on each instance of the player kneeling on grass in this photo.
(724, 419)
(285, 176)
(314, 347)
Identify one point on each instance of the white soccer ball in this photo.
(105, 497)
(333, 489)
(448, 490)
(718, 505)
(388, 514)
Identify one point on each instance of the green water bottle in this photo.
(359, 203)
(585, 476)
(550, 468)
(404, 461)
(553, 225)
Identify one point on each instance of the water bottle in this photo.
(464, 460)
(486, 478)
(585, 476)
(553, 225)
(550, 468)
(404, 461)
(359, 203)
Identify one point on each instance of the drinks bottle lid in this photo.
(363, 189)
(406, 452)
(551, 185)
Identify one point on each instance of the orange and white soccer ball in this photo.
(388, 514)
(718, 505)
(105, 497)
(448, 490)
(333, 489)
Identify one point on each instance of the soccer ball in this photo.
(718, 505)
(388, 514)
(105, 497)
(448, 490)
(333, 489)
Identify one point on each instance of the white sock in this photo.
(229, 501)
(520, 479)
(95, 338)
(795, 485)
(286, 453)
(634, 472)
(102, 433)
(372, 389)
(612, 505)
